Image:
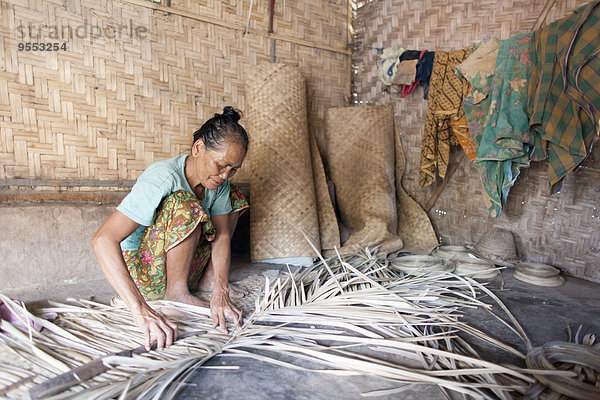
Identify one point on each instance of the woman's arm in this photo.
(106, 243)
(220, 302)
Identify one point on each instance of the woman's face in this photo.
(210, 167)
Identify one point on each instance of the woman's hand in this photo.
(155, 327)
(221, 307)
(106, 244)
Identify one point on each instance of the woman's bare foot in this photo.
(186, 298)
(235, 291)
(175, 312)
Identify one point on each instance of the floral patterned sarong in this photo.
(176, 218)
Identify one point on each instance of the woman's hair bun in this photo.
(230, 112)
(222, 127)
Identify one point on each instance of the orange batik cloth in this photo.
(446, 94)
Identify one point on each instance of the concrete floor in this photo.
(543, 312)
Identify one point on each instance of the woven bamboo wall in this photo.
(107, 107)
(562, 230)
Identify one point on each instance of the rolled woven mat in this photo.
(414, 226)
(360, 156)
(281, 182)
(421, 264)
(449, 251)
(328, 224)
(473, 267)
(538, 274)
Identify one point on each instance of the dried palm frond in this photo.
(352, 315)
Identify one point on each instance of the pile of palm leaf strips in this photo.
(328, 314)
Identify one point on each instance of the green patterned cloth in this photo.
(478, 69)
(496, 114)
(564, 91)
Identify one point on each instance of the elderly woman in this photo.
(173, 231)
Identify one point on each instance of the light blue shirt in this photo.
(157, 182)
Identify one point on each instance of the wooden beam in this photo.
(102, 197)
(438, 190)
(238, 27)
(92, 196)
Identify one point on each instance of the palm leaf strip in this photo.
(352, 315)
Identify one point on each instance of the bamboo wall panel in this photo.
(562, 230)
(106, 108)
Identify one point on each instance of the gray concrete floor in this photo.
(543, 312)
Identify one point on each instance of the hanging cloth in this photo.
(408, 89)
(505, 144)
(410, 55)
(564, 91)
(478, 69)
(405, 75)
(445, 104)
(424, 67)
(460, 128)
(389, 65)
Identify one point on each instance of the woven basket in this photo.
(498, 246)
(473, 267)
(547, 282)
(537, 269)
(538, 274)
(360, 156)
(281, 181)
(422, 264)
(449, 251)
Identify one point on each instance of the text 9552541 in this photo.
(44, 46)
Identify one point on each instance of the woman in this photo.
(173, 231)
